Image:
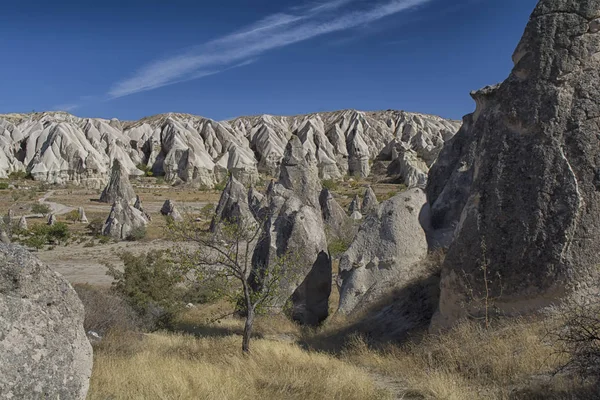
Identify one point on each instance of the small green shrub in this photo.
(146, 169)
(3, 185)
(151, 285)
(136, 234)
(39, 208)
(338, 246)
(330, 184)
(221, 185)
(95, 227)
(19, 175)
(72, 216)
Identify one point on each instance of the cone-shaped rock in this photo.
(139, 206)
(233, 205)
(299, 173)
(354, 205)
(169, 209)
(520, 181)
(256, 202)
(81, 215)
(334, 215)
(118, 186)
(51, 219)
(23, 223)
(369, 203)
(4, 236)
(122, 220)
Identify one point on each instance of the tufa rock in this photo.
(354, 205)
(81, 217)
(51, 219)
(122, 220)
(23, 223)
(233, 205)
(118, 186)
(170, 210)
(388, 247)
(333, 214)
(43, 346)
(138, 206)
(517, 190)
(257, 203)
(369, 203)
(299, 174)
(356, 216)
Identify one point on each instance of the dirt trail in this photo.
(56, 208)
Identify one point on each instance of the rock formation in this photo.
(58, 147)
(369, 203)
(334, 215)
(51, 219)
(81, 217)
(4, 235)
(119, 187)
(256, 202)
(356, 216)
(140, 207)
(43, 346)
(354, 205)
(123, 220)
(294, 229)
(23, 223)
(233, 205)
(388, 247)
(170, 210)
(516, 190)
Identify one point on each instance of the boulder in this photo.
(139, 206)
(4, 238)
(233, 205)
(43, 347)
(170, 210)
(119, 187)
(51, 219)
(81, 217)
(356, 216)
(122, 220)
(388, 247)
(519, 185)
(369, 203)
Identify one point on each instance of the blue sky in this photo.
(221, 59)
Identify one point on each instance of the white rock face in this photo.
(387, 248)
(123, 219)
(58, 147)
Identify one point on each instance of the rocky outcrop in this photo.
(256, 203)
(518, 185)
(388, 247)
(369, 203)
(43, 346)
(233, 206)
(59, 147)
(140, 207)
(123, 220)
(294, 230)
(169, 209)
(118, 187)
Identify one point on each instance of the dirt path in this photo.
(394, 386)
(56, 208)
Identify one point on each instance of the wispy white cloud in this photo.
(65, 107)
(244, 46)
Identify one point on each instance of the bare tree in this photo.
(224, 258)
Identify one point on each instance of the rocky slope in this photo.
(515, 193)
(58, 147)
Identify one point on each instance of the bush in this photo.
(136, 234)
(579, 337)
(105, 310)
(330, 184)
(19, 175)
(221, 185)
(337, 246)
(151, 285)
(39, 208)
(41, 235)
(146, 169)
(72, 216)
(95, 227)
(3, 185)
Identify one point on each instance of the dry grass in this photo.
(171, 366)
(468, 362)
